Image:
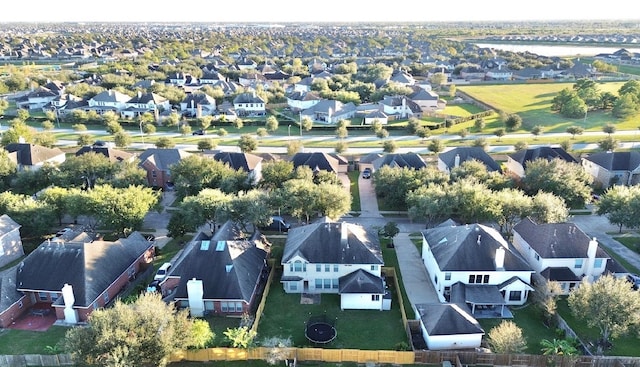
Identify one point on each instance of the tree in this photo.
(165, 143)
(34, 216)
(240, 337)
(261, 132)
(205, 208)
(499, 133)
(537, 130)
(436, 146)
(625, 106)
(382, 133)
(48, 125)
(548, 208)
(545, 295)
(557, 347)
(423, 133)
(8, 169)
(185, 129)
(608, 144)
(247, 143)
(306, 123)
(341, 147)
(520, 145)
(19, 129)
(207, 144)
(479, 124)
(389, 146)
(271, 124)
(56, 198)
(193, 173)
(342, 132)
(566, 180)
(513, 122)
(331, 200)
(149, 128)
(45, 139)
(390, 230)
(143, 333)
(609, 304)
(513, 205)
(294, 146)
(507, 338)
(609, 129)
(122, 139)
(86, 170)
(621, 205)
(85, 139)
(480, 142)
(121, 209)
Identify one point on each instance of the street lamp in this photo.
(141, 134)
(289, 130)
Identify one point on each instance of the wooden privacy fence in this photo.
(301, 354)
(48, 360)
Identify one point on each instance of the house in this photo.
(335, 257)
(298, 100)
(376, 116)
(30, 157)
(157, 162)
(114, 155)
(320, 161)
(109, 100)
(400, 160)
(246, 162)
(76, 274)
(560, 252)
(221, 275)
(198, 104)
(249, 104)
(143, 103)
(517, 162)
(428, 100)
(448, 326)
(613, 168)
(329, 111)
(454, 157)
(36, 99)
(474, 265)
(400, 107)
(10, 240)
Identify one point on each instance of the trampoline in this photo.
(320, 330)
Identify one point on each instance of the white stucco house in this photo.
(249, 104)
(109, 100)
(474, 265)
(448, 326)
(560, 252)
(339, 258)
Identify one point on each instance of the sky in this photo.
(314, 11)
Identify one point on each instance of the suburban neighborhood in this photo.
(293, 190)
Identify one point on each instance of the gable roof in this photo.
(89, 267)
(556, 240)
(316, 161)
(7, 224)
(114, 155)
(163, 158)
(30, 154)
(548, 153)
(616, 161)
(111, 96)
(244, 161)
(323, 243)
(229, 266)
(471, 248)
(361, 281)
(468, 153)
(410, 160)
(447, 319)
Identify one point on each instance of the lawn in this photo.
(529, 319)
(32, 342)
(355, 190)
(631, 242)
(533, 103)
(622, 346)
(284, 316)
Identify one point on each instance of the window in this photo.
(224, 306)
(327, 283)
(472, 279)
(327, 268)
(515, 295)
(597, 263)
(374, 267)
(208, 305)
(299, 266)
(335, 283)
(486, 279)
(154, 174)
(479, 278)
(318, 283)
(335, 268)
(43, 296)
(238, 306)
(578, 264)
(318, 268)
(447, 276)
(436, 279)
(54, 297)
(293, 286)
(375, 297)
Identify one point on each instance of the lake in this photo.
(552, 50)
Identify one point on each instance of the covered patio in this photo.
(484, 301)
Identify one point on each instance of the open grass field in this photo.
(533, 103)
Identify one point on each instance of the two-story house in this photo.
(474, 265)
(109, 100)
(335, 257)
(560, 252)
(249, 104)
(613, 168)
(143, 103)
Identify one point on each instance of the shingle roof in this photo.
(467, 153)
(7, 224)
(90, 267)
(230, 267)
(163, 158)
(556, 240)
(547, 153)
(316, 160)
(616, 161)
(447, 319)
(114, 155)
(361, 281)
(245, 161)
(410, 160)
(471, 248)
(29, 154)
(321, 243)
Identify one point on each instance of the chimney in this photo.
(139, 94)
(344, 233)
(591, 259)
(456, 160)
(70, 314)
(500, 258)
(195, 292)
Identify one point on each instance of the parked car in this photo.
(200, 132)
(366, 173)
(277, 224)
(634, 280)
(163, 271)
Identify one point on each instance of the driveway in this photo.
(368, 201)
(159, 220)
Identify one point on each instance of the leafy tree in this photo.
(566, 145)
(165, 143)
(149, 129)
(207, 144)
(193, 173)
(390, 230)
(271, 124)
(204, 121)
(247, 143)
(45, 139)
(507, 338)
(205, 208)
(56, 198)
(389, 146)
(85, 139)
(499, 133)
(185, 129)
(564, 96)
(301, 201)
(275, 173)
(621, 205)
(240, 337)
(306, 123)
(545, 297)
(127, 174)
(79, 127)
(341, 147)
(520, 145)
(144, 333)
(294, 146)
(566, 180)
(423, 133)
(34, 216)
(122, 139)
(609, 129)
(472, 202)
(481, 142)
(609, 304)
(121, 209)
(262, 132)
(332, 200)
(248, 207)
(608, 144)
(625, 106)
(238, 123)
(342, 132)
(178, 224)
(537, 130)
(575, 130)
(382, 133)
(8, 169)
(113, 127)
(513, 206)
(19, 129)
(414, 125)
(548, 208)
(86, 170)
(479, 124)
(436, 146)
(513, 122)
(48, 125)
(574, 108)
(557, 347)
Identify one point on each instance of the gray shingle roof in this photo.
(163, 158)
(114, 155)
(410, 160)
(361, 281)
(556, 240)
(616, 161)
(29, 154)
(230, 267)
(321, 243)
(467, 153)
(244, 161)
(7, 224)
(447, 319)
(316, 160)
(471, 248)
(547, 153)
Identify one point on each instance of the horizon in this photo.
(330, 11)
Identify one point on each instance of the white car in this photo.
(163, 271)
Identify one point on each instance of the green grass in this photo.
(631, 242)
(355, 190)
(622, 346)
(621, 260)
(529, 319)
(32, 342)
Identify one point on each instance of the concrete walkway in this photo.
(415, 278)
